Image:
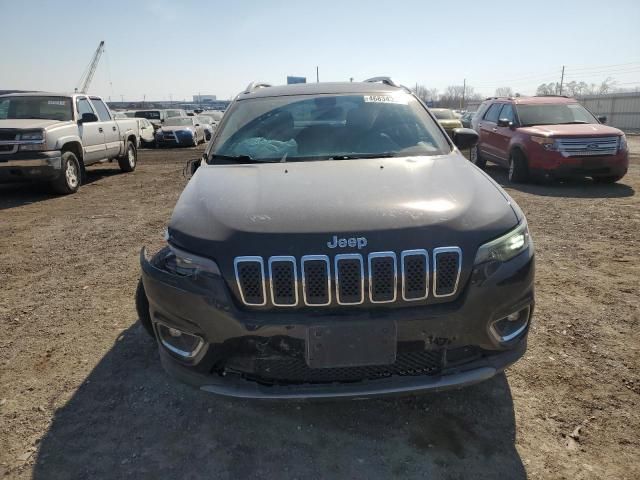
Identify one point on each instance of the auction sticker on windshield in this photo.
(401, 99)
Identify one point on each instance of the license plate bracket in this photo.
(352, 345)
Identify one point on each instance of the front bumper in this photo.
(26, 166)
(555, 165)
(237, 341)
(177, 141)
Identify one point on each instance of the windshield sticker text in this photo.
(400, 99)
(57, 102)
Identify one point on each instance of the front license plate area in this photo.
(592, 162)
(351, 345)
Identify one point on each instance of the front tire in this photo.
(70, 176)
(607, 180)
(130, 160)
(476, 158)
(142, 307)
(518, 168)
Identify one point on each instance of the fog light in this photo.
(511, 326)
(183, 344)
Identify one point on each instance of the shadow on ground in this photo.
(129, 420)
(17, 194)
(570, 188)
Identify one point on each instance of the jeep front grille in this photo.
(348, 279)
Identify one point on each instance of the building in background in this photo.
(204, 98)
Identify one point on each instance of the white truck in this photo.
(52, 137)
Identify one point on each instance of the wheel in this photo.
(130, 159)
(518, 168)
(70, 176)
(607, 180)
(476, 158)
(142, 307)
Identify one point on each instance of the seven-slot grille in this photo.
(587, 146)
(350, 278)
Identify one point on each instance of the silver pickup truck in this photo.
(52, 137)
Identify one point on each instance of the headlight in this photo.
(546, 142)
(35, 136)
(622, 143)
(186, 264)
(505, 247)
(35, 139)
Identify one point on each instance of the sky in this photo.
(164, 49)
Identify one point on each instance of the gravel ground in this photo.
(82, 394)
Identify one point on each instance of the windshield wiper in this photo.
(236, 158)
(574, 122)
(363, 155)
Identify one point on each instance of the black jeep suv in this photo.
(335, 243)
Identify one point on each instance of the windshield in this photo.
(175, 113)
(204, 119)
(46, 108)
(148, 114)
(554, 114)
(302, 127)
(443, 114)
(179, 122)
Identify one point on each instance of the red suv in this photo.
(548, 137)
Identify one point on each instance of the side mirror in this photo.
(197, 124)
(464, 138)
(88, 118)
(504, 122)
(602, 119)
(191, 167)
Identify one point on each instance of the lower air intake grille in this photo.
(296, 370)
(250, 276)
(446, 269)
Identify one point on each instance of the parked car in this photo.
(208, 124)
(466, 119)
(549, 137)
(447, 118)
(147, 132)
(52, 137)
(180, 131)
(175, 112)
(156, 117)
(334, 242)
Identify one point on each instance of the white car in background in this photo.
(208, 124)
(147, 132)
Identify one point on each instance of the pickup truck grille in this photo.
(587, 146)
(7, 141)
(347, 279)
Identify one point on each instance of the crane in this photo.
(87, 76)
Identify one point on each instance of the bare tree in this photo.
(426, 94)
(504, 92)
(454, 95)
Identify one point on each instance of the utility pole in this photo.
(144, 99)
(122, 98)
(464, 89)
(561, 79)
(317, 75)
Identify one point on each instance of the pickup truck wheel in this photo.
(476, 158)
(130, 159)
(518, 168)
(69, 179)
(142, 308)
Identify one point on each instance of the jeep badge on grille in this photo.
(352, 242)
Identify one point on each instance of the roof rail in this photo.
(386, 80)
(255, 86)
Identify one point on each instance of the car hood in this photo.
(28, 123)
(575, 129)
(176, 128)
(296, 208)
(449, 122)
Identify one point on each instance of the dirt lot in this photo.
(82, 394)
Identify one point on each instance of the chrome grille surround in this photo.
(394, 286)
(443, 251)
(311, 258)
(283, 259)
(345, 257)
(348, 271)
(587, 146)
(403, 257)
(237, 262)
